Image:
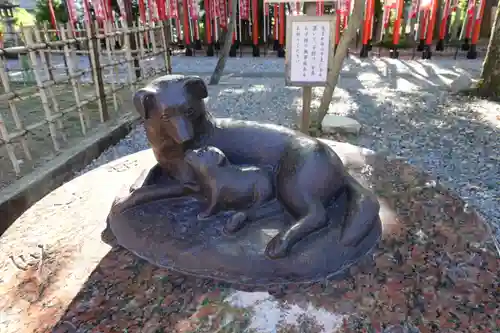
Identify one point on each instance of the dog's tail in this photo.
(361, 212)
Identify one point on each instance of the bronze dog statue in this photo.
(229, 187)
(308, 172)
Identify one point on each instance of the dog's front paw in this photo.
(203, 216)
(277, 247)
(235, 223)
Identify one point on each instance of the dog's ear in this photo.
(144, 102)
(196, 87)
(221, 158)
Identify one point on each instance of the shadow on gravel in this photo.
(454, 138)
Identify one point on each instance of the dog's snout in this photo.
(182, 129)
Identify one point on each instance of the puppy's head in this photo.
(173, 103)
(205, 158)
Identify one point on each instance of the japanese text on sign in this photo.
(309, 52)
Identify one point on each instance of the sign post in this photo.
(309, 56)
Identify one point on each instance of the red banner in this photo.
(152, 11)
(193, 9)
(109, 10)
(86, 11)
(52, 15)
(161, 7)
(320, 8)
(245, 9)
(415, 4)
(99, 10)
(142, 11)
(73, 16)
(222, 13)
(266, 9)
(217, 7)
(174, 13)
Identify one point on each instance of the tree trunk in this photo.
(333, 77)
(489, 85)
(486, 20)
(221, 63)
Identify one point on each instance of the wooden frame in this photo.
(61, 89)
(330, 19)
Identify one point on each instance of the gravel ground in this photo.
(404, 107)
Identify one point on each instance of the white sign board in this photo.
(309, 54)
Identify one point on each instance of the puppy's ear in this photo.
(144, 102)
(221, 159)
(196, 87)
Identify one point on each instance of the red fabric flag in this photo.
(142, 11)
(245, 9)
(193, 9)
(153, 15)
(319, 7)
(52, 15)
(161, 6)
(73, 17)
(174, 13)
(222, 13)
(216, 8)
(415, 4)
(98, 10)
(109, 11)
(86, 11)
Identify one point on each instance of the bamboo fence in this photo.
(99, 89)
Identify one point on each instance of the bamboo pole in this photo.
(45, 102)
(97, 72)
(112, 73)
(132, 78)
(166, 54)
(74, 84)
(13, 109)
(50, 92)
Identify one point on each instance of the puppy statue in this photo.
(229, 187)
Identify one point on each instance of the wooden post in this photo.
(306, 109)
(309, 10)
(97, 71)
(166, 45)
(46, 53)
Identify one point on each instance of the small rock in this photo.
(460, 83)
(334, 124)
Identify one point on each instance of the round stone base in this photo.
(167, 233)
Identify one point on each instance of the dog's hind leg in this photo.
(258, 211)
(314, 219)
(361, 213)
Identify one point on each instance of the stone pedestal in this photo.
(435, 268)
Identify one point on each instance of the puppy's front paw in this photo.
(235, 223)
(277, 247)
(203, 216)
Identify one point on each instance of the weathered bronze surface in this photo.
(239, 200)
